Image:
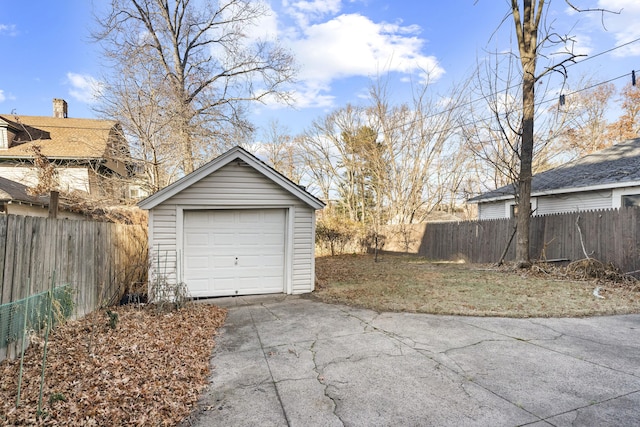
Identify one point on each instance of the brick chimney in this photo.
(59, 108)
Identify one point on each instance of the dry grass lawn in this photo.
(407, 283)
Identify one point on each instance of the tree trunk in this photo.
(526, 160)
(527, 32)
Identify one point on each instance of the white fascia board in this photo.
(609, 186)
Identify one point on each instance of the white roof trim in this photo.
(223, 160)
(613, 185)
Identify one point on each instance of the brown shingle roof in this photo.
(60, 137)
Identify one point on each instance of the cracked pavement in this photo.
(283, 360)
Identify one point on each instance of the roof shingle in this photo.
(618, 164)
(59, 137)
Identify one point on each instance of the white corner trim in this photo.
(289, 247)
(179, 243)
(313, 251)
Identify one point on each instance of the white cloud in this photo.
(8, 29)
(2, 97)
(85, 88)
(353, 45)
(306, 11)
(624, 25)
(311, 96)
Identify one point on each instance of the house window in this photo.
(631, 200)
(4, 138)
(514, 210)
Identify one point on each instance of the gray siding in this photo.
(236, 186)
(304, 250)
(491, 210)
(162, 243)
(574, 202)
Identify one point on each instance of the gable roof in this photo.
(223, 160)
(60, 138)
(613, 167)
(11, 191)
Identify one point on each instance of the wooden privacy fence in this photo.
(99, 260)
(608, 235)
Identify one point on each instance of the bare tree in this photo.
(282, 150)
(628, 124)
(533, 36)
(419, 148)
(492, 126)
(387, 164)
(586, 122)
(334, 164)
(139, 103)
(205, 66)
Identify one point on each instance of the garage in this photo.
(233, 227)
(237, 252)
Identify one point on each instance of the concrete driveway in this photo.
(291, 361)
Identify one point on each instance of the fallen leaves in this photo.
(148, 370)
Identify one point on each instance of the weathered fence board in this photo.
(608, 235)
(97, 259)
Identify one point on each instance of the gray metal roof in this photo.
(615, 166)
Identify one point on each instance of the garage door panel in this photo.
(197, 262)
(250, 217)
(223, 261)
(198, 286)
(271, 239)
(254, 237)
(247, 238)
(198, 218)
(221, 216)
(272, 261)
(196, 239)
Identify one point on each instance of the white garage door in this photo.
(234, 252)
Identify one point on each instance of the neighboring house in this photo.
(86, 154)
(609, 178)
(16, 200)
(235, 226)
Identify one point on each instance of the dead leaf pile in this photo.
(149, 370)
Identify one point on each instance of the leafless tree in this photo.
(282, 150)
(419, 145)
(204, 68)
(384, 164)
(139, 103)
(534, 36)
(628, 124)
(492, 125)
(331, 161)
(586, 127)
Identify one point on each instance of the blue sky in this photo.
(340, 46)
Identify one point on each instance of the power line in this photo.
(456, 126)
(486, 97)
(604, 52)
